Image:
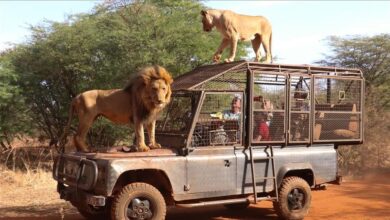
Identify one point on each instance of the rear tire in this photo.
(294, 199)
(138, 201)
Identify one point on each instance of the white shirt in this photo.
(227, 114)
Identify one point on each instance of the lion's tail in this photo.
(62, 140)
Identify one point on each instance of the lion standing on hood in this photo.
(138, 103)
(234, 27)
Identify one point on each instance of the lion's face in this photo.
(160, 93)
(206, 21)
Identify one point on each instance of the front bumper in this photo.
(77, 177)
(81, 175)
(78, 196)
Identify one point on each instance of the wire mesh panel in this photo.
(202, 74)
(232, 80)
(174, 123)
(300, 97)
(269, 96)
(324, 104)
(219, 121)
(177, 116)
(338, 109)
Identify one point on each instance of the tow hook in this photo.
(321, 187)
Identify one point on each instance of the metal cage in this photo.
(219, 120)
(280, 104)
(338, 109)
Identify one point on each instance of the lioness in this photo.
(234, 27)
(138, 103)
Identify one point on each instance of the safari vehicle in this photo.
(210, 159)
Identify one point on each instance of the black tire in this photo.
(138, 201)
(294, 198)
(237, 206)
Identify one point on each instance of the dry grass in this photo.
(32, 194)
(27, 188)
(33, 179)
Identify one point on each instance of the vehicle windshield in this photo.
(177, 116)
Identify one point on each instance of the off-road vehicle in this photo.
(280, 144)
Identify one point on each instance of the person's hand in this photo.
(258, 138)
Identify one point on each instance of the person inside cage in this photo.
(301, 105)
(234, 113)
(264, 104)
(232, 119)
(300, 121)
(262, 129)
(276, 127)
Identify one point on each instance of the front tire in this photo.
(294, 198)
(138, 201)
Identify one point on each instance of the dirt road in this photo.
(356, 200)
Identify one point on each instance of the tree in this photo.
(13, 113)
(372, 56)
(101, 50)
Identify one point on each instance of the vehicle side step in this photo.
(208, 203)
(249, 199)
(265, 198)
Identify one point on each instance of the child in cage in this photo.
(262, 129)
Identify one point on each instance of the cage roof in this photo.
(203, 74)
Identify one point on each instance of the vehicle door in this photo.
(217, 130)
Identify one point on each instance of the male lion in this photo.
(138, 103)
(234, 27)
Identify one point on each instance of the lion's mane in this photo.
(139, 89)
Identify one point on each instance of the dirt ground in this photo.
(364, 199)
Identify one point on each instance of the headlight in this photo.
(88, 174)
(71, 168)
(101, 176)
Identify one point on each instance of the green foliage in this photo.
(101, 50)
(372, 56)
(13, 115)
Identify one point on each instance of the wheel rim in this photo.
(296, 199)
(139, 208)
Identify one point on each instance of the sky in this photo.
(300, 28)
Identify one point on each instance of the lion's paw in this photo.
(217, 58)
(229, 60)
(143, 148)
(155, 146)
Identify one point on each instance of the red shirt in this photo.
(264, 131)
